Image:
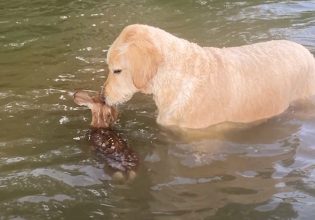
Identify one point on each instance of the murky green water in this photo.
(47, 170)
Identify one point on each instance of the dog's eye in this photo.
(117, 71)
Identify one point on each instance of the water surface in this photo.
(47, 168)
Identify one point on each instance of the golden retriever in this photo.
(196, 87)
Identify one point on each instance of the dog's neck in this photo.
(179, 73)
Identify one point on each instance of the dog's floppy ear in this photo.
(143, 58)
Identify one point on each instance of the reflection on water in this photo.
(47, 169)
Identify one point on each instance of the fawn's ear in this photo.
(83, 98)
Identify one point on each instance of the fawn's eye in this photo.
(117, 71)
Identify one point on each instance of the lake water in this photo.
(47, 168)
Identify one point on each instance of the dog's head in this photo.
(103, 116)
(133, 60)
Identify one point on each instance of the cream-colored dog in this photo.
(195, 87)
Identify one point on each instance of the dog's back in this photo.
(261, 80)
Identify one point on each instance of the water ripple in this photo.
(71, 180)
(18, 45)
(185, 181)
(42, 198)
